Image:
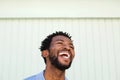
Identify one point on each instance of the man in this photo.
(58, 52)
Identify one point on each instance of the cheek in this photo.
(73, 54)
(53, 52)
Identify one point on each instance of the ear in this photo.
(45, 53)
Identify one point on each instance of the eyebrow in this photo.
(63, 41)
(59, 40)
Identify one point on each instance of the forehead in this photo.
(61, 38)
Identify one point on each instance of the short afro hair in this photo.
(45, 45)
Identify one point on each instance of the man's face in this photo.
(61, 52)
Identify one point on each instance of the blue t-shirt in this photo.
(39, 76)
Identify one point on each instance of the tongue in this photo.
(66, 57)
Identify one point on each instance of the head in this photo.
(58, 49)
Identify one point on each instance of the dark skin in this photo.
(59, 44)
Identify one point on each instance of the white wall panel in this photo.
(97, 47)
(59, 8)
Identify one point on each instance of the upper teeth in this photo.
(66, 53)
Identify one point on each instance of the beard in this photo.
(55, 62)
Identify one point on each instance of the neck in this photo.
(52, 73)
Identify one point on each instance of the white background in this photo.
(94, 25)
(59, 8)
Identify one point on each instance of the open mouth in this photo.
(64, 54)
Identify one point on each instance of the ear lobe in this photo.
(45, 53)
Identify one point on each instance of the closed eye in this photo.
(72, 46)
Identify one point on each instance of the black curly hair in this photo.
(47, 41)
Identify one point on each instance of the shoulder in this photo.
(66, 78)
(31, 78)
(36, 77)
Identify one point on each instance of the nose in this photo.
(67, 47)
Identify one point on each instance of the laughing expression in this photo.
(61, 52)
